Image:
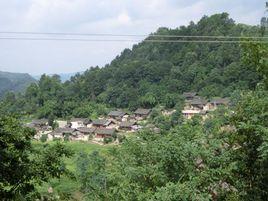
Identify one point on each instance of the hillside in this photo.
(151, 74)
(15, 82)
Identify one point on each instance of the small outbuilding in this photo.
(127, 125)
(101, 133)
(116, 114)
(86, 130)
(101, 123)
(142, 112)
(79, 122)
(189, 95)
(60, 133)
(197, 103)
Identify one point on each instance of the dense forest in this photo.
(221, 158)
(148, 75)
(16, 82)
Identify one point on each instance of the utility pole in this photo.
(264, 21)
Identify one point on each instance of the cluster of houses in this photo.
(195, 104)
(84, 129)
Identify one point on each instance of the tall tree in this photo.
(21, 167)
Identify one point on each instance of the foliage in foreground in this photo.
(22, 167)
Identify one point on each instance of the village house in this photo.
(142, 113)
(216, 102)
(79, 122)
(197, 104)
(40, 126)
(40, 122)
(117, 115)
(188, 114)
(101, 123)
(200, 106)
(82, 134)
(60, 133)
(128, 126)
(101, 133)
(61, 123)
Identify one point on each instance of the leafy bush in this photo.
(44, 138)
(107, 140)
(121, 138)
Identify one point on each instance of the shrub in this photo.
(121, 138)
(43, 138)
(66, 137)
(107, 140)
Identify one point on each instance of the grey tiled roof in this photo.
(189, 94)
(198, 101)
(64, 130)
(101, 122)
(141, 111)
(84, 120)
(39, 121)
(127, 124)
(116, 113)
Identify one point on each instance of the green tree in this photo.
(251, 137)
(21, 167)
(91, 174)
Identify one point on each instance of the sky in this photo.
(98, 16)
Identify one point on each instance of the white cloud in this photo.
(124, 18)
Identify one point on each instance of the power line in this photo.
(129, 35)
(131, 40)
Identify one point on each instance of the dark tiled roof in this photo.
(39, 121)
(105, 131)
(189, 94)
(64, 130)
(142, 111)
(116, 114)
(101, 122)
(84, 120)
(127, 124)
(198, 101)
(86, 130)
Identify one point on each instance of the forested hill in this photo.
(150, 74)
(15, 82)
(153, 72)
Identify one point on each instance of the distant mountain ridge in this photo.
(15, 82)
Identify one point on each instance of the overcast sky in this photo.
(98, 16)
